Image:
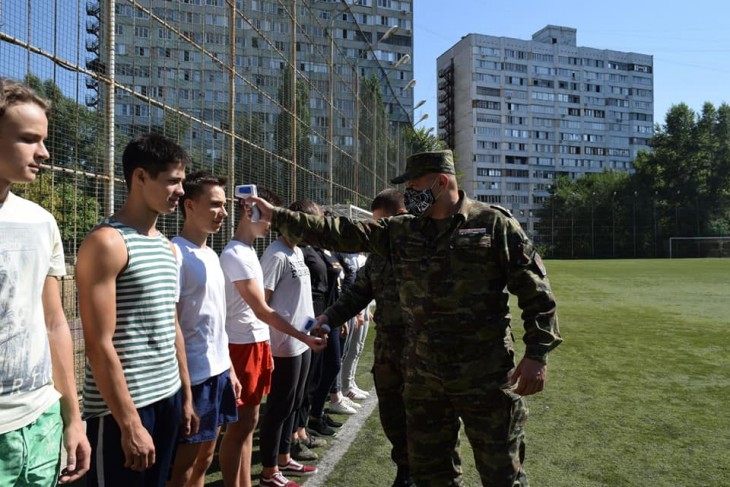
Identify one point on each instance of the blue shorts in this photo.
(161, 419)
(215, 404)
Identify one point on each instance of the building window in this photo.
(489, 198)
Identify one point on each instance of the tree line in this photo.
(681, 188)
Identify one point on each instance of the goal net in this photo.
(682, 247)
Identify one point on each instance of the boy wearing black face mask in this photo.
(454, 262)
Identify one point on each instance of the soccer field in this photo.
(637, 394)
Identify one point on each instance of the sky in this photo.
(690, 41)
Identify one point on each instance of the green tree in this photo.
(75, 133)
(60, 193)
(680, 188)
(584, 218)
(283, 130)
(374, 136)
(421, 140)
(689, 169)
(75, 142)
(251, 157)
(175, 126)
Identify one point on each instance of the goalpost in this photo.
(703, 247)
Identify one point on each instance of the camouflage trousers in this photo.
(436, 396)
(388, 375)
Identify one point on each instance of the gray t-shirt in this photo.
(286, 274)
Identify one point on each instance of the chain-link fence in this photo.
(264, 92)
(629, 227)
(258, 91)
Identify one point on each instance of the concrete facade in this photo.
(156, 63)
(519, 113)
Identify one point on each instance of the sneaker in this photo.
(355, 395)
(320, 427)
(314, 442)
(331, 422)
(351, 403)
(364, 393)
(297, 469)
(340, 407)
(300, 451)
(276, 480)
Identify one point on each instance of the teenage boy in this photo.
(38, 403)
(137, 393)
(202, 314)
(248, 318)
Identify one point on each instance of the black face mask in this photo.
(418, 202)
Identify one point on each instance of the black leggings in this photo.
(288, 383)
(328, 362)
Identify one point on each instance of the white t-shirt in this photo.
(240, 263)
(30, 251)
(202, 310)
(286, 274)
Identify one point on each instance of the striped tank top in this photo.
(144, 338)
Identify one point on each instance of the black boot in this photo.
(403, 478)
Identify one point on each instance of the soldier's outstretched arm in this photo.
(354, 299)
(332, 233)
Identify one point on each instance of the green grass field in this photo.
(637, 394)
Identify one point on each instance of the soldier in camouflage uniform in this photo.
(375, 280)
(454, 262)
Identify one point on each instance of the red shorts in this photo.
(253, 364)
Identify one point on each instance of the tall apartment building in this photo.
(381, 41)
(519, 113)
(375, 36)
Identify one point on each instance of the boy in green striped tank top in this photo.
(137, 394)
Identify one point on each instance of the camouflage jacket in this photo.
(375, 280)
(452, 276)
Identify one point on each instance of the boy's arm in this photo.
(102, 256)
(59, 337)
(251, 293)
(190, 420)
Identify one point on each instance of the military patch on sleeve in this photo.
(540, 265)
(472, 231)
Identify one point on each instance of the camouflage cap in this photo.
(440, 161)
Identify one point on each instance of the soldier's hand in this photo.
(266, 210)
(530, 376)
(320, 329)
(321, 320)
